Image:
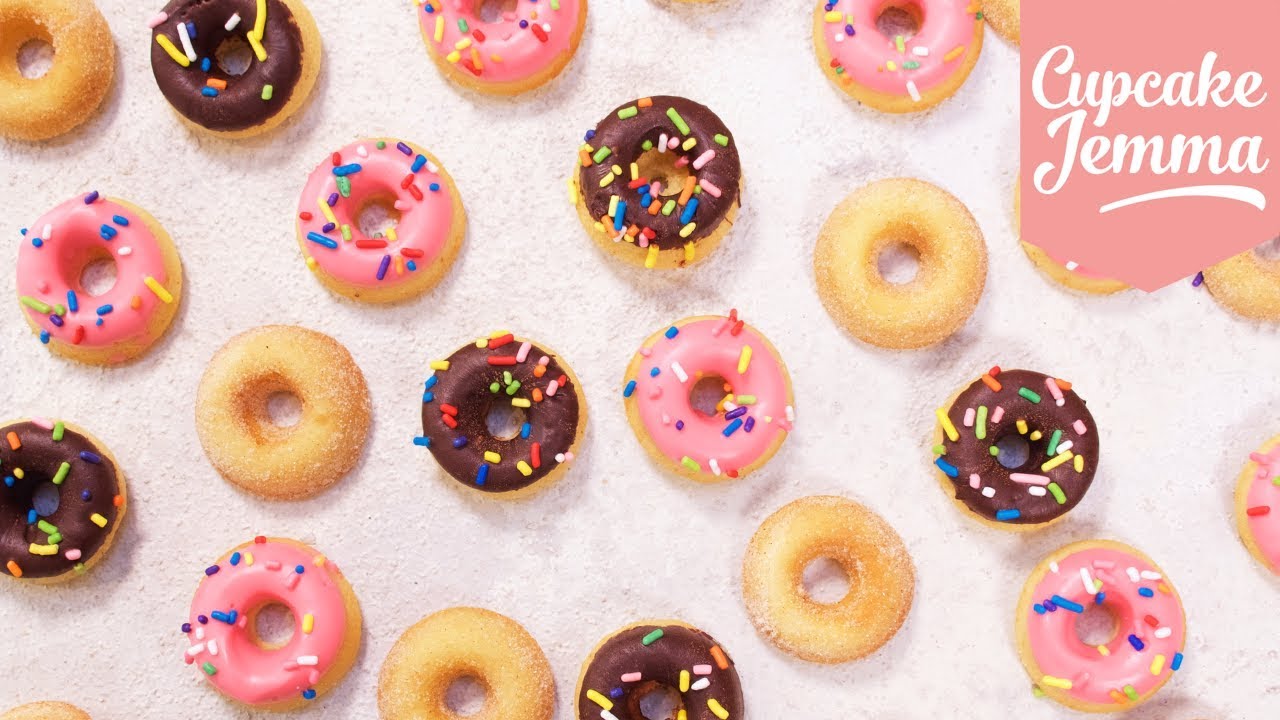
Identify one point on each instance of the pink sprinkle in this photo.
(552, 387)
(656, 392)
(644, 352)
(157, 20)
(999, 413)
(1080, 427)
(523, 352)
(666, 419)
(701, 669)
(73, 554)
(711, 189)
(1055, 391)
(673, 143)
(684, 160)
(703, 159)
(290, 665)
(544, 360)
(1029, 479)
(1104, 564)
(631, 677)
(644, 239)
(655, 188)
(568, 457)
(292, 582)
(43, 423)
(975, 482)
(273, 565)
(968, 417)
(314, 677)
(43, 286)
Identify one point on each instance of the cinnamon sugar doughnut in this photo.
(882, 580)
(923, 217)
(46, 710)
(1247, 284)
(1005, 17)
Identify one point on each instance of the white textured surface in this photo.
(1181, 390)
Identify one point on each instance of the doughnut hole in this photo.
(902, 257)
(1015, 452)
(45, 499)
(705, 394)
(378, 214)
(825, 581)
(234, 56)
(466, 696)
(655, 701)
(89, 268)
(99, 276)
(661, 167)
(491, 11)
(1097, 625)
(284, 409)
(900, 17)
(270, 407)
(271, 626)
(35, 58)
(898, 263)
(503, 421)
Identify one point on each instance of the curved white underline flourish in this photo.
(1245, 194)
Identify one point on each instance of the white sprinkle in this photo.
(199, 633)
(559, 457)
(213, 647)
(523, 352)
(1072, 265)
(839, 37)
(1063, 447)
(47, 233)
(666, 419)
(1163, 632)
(968, 417)
(196, 649)
(791, 414)
(1149, 575)
(679, 371)
(920, 51)
(126, 250)
(157, 20)
(308, 660)
(715, 467)
(1037, 491)
(433, 167)
(702, 684)
(1053, 567)
(546, 27)
(1133, 574)
(232, 22)
(911, 88)
(362, 151)
(729, 406)
(606, 715)
(662, 143)
(186, 42)
(988, 492)
(1087, 579)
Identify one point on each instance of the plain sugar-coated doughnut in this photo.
(236, 429)
(881, 580)
(1248, 284)
(1005, 16)
(466, 643)
(46, 710)
(952, 263)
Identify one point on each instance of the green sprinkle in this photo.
(79, 568)
(555, 4)
(628, 112)
(55, 538)
(344, 187)
(61, 475)
(995, 451)
(979, 16)
(1054, 439)
(381, 144)
(1276, 481)
(1130, 692)
(656, 635)
(35, 304)
(513, 388)
(911, 65)
(462, 26)
(58, 429)
(722, 140)
(900, 43)
(746, 399)
(494, 387)
(1028, 394)
(689, 463)
(939, 449)
(1036, 691)
(209, 669)
(268, 91)
(506, 377)
(59, 310)
(840, 70)
(601, 154)
(679, 121)
(1057, 493)
(671, 205)
(980, 427)
(647, 145)
(47, 527)
(346, 232)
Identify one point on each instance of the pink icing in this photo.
(505, 51)
(1076, 268)
(1095, 677)
(947, 31)
(421, 197)
(1264, 493)
(56, 250)
(266, 573)
(711, 347)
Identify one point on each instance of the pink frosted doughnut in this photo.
(223, 641)
(523, 49)
(1258, 504)
(412, 256)
(121, 323)
(897, 73)
(750, 422)
(1145, 648)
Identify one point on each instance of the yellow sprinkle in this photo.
(651, 259)
(599, 699)
(613, 205)
(248, 558)
(1079, 463)
(947, 426)
(684, 681)
(462, 44)
(440, 364)
(1035, 435)
(1157, 665)
(617, 169)
(688, 144)
(160, 291)
(498, 333)
(1022, 427)
(260, 52)
(890, 65)
(524, 468)
(98, 520)
(1056, 461)
(491, 456)
(718, 709)
(326, 210)
(260, 20)
(174, 53)
(833, 16)
(308, 623)
(954, 53)
(687, 230)
(1103, 651)
(35, 549)
(635, 171)
(19, 473)
(453, 57)
(604, 181)
(573, 190)
(520, 402)
(439, 36)
(318, 561)
(744, 359)
(1056, 682)
(391, 234)
(682, 715)
(495, 57)
(690, 250)
(311, 262)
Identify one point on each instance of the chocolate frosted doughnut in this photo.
(283, 67)
(502, 368)
(625, 191)
(639, 659)
(91, 500)
(976, 457)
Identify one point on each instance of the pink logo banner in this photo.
(1148, 134)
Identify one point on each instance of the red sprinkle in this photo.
(500, 341)
(502, 359)
(538, 32)
(479, 36)
(1259, 510)
(448, 420)
(1151, 621)
(737, 328)
(337, 159)
(372, 243)
(448, 409)
(638, 182)
(411, 252)
(415, 192)
(78, 336)
(260, 540)
(305, 216)
(994, 371)
(406, 182)
(535, 456)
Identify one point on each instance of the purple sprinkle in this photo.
(333, 199)
(55, 320)
(202, 619)
(1199, 279)
(186, 627)
(459, 442)
(382, 268)
(89, 457)
(404, 149)
(679, 424)
(91, 198)
(86, 496)
(848, 30)
(736, 413)
(211, 570)
(524, 24)
(328, 227)
(751, 423)
(590, 134)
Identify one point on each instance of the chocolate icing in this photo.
(971, 455)
(625, 137)
(659, 663)
(39, 458)
(240, 105)
(466, 386)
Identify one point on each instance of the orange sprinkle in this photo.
(654, 207)
(722, 662)
(537, 395)
(1115, 695)
(1063, 385)
(689, 182)
(992, 383)
(14, 442)
(540, 371)
(585, 157)
(633, 231)
(14, 570)
(955, 52)
(216, 84)
(1164, 588)
(645, 102)
(117, 500)
(135, 302)
(475, 58)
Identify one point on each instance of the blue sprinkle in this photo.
(105, 309)
(750, 425)
(86, 496)
(590, 134)
(89, 457)
(672, 332)
(411, 265)
(191, 30)
(1146, 592)
(91, 198)
(431, 381)
(482, 474)
(735, 413)
(205, 64)
(459, 442)
(615, 693)
(37, 242)
(404, 149)
(73, 302)
(22, 232)
(1066, 604)
(1005, 514)
(679, 424)
(55, 320)
(319, 239)
(32, 516)
(653, 371)
(418, 162)
(629, 389)
(309, 694)
(687, 214)
(1136, 643)
(120, 220)
(1099, 598)
(345, 170)
(8, 481)
(434, 187)
(421, 441)
(428, 396)
(44, 336)
(107, 232)
(732, 428)
(299, 569)
(99, 322)
(233, 615)
(209, 92)
(235, 559)
(1177, 662)
(947, 467)
(525, 429)
(1039, 609)
(212, 570)
(620, 215)
(429, 8)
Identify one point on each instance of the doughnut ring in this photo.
(1070, 274)
(46, 710)
(1258, 504)
(1247, 284)
(1005, 17)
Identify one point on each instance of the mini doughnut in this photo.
(502, 370)
(46, 710)
(222, 634)
(1068, 273)
(1247, 284)
(1258, 504)
(899, 73)
(51, 536)
(755, 415)
(1005, 16)
(464, 642)
(657, 182)
(525, 47)
(995, 482)
(237, 433)
(409, 258)
(881, 588)
(1150, 627)
(125, 321)
(952, 266)
(638, 659)
(189, 40)
(81, 74)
